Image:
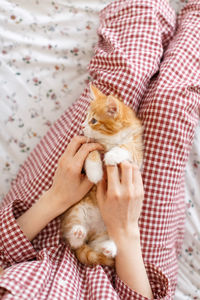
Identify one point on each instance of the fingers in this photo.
(101, 191)
(77, 151)
(126, 173)
(113, 177)
(130, 174)
(84, 150)
(136, 176)
(75, 144)
(120, 175)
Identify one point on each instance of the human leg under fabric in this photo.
(170, 111)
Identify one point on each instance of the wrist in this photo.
(123, 238)
(37, 216)
(49, 203)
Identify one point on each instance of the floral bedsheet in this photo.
(45, 47)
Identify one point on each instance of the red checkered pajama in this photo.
(151, 62)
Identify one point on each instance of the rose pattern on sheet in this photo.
(43, 70)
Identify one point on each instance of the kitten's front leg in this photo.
(116, 155)
(93, 167)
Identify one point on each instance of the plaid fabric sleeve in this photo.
(14, 245)
(132, 39)
(170, 113)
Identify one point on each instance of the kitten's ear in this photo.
(112, 106)
(95, 92)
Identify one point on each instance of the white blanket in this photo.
(45, 47)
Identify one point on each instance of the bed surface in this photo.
(45, 47)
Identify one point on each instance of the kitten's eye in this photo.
(93, 121)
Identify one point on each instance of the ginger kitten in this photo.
(114, 125)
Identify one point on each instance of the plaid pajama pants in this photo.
(152, 62)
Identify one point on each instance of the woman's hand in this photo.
(120, 198)
(69, 184)
(120, 202)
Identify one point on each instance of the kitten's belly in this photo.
(93, 218)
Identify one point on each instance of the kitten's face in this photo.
(106, 115)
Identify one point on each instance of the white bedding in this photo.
(45, 47)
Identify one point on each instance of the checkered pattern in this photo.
(132, 38)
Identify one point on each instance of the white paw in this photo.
(94, 170)
(77, 236)
(117, 155)
(109, 249)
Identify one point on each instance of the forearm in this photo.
(38, 216)
(130, 266)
